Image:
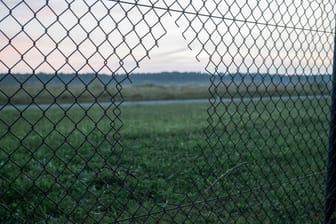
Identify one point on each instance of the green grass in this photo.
(263, 162)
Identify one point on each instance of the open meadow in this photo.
(257, 162)
(68, 88)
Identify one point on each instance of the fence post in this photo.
(330, 197)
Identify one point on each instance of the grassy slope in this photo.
(263, 163)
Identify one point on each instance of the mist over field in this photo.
(162, 78)
(65, 88)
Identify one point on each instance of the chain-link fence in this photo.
(71, 152)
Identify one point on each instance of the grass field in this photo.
(45, 94)
(260, 162)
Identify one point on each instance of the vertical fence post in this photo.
(330, 198)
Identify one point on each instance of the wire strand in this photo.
(221, 17)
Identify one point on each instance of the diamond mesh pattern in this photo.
(249, 169)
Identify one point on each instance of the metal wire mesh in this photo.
(262, 159)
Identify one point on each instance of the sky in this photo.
(107, 37)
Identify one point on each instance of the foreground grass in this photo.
(262, 162)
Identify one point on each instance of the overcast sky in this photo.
(57, 39)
